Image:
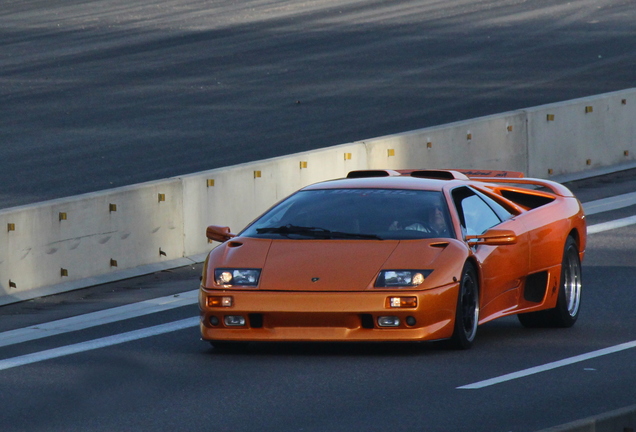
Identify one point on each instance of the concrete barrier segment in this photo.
(73, 242)
(493, 142)
(621, 420)
(234, 196)
(582, 135)
(48, 247)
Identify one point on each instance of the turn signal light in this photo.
(218, 301)
(402, 302)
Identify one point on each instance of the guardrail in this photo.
(69, 243)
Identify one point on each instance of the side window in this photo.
(497, 208)
(474, 214)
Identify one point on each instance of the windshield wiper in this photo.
(313, 232)
(295, 229)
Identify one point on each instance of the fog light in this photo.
(214, 321)
(388, 321)
(410, 321)
(218, 301)
(234, 320)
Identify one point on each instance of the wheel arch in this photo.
(579, 238)
(574, 233)
(475, 264)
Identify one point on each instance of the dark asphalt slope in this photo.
(97, 94)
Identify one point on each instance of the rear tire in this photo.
(467, 310)
(568, 304)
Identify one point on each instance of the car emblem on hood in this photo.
(315, 279)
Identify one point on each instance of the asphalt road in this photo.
(98, 94)
(175, 382)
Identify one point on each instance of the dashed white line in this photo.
(98, 343)
(164, 303)
(93, 319)
(548, 366)
(606, 226)
(611, 203)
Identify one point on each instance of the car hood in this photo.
(338, 265)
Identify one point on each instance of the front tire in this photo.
(568, 304)
(467, 310)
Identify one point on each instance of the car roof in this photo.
(389, 182)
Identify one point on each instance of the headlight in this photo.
(237, 277)
(401, 278)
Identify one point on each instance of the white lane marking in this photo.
(608, 204)
(93, 319)
(549, 366)
(98, 343)
(186, 298)
(189, 297)
(606, 226)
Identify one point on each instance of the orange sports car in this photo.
(410, 255)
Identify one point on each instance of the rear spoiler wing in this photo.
(477, 174)
(517, 178)
(486, 176)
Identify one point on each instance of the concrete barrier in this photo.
(48, 247)
(493, 142)
(581, 135)
(621, 420)
(234, 196)
(70, 243)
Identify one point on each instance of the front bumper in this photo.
(328, 316)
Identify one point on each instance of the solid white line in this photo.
(549, 366)
(93, 319)
(98, 343)
(606, 226)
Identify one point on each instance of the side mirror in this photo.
(219, 233)
(493, 237)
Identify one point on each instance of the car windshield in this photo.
(365, 214)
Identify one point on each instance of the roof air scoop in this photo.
(439, 174)
(372, 173)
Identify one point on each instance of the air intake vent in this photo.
(372, 173)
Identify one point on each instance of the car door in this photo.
(502, 267)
